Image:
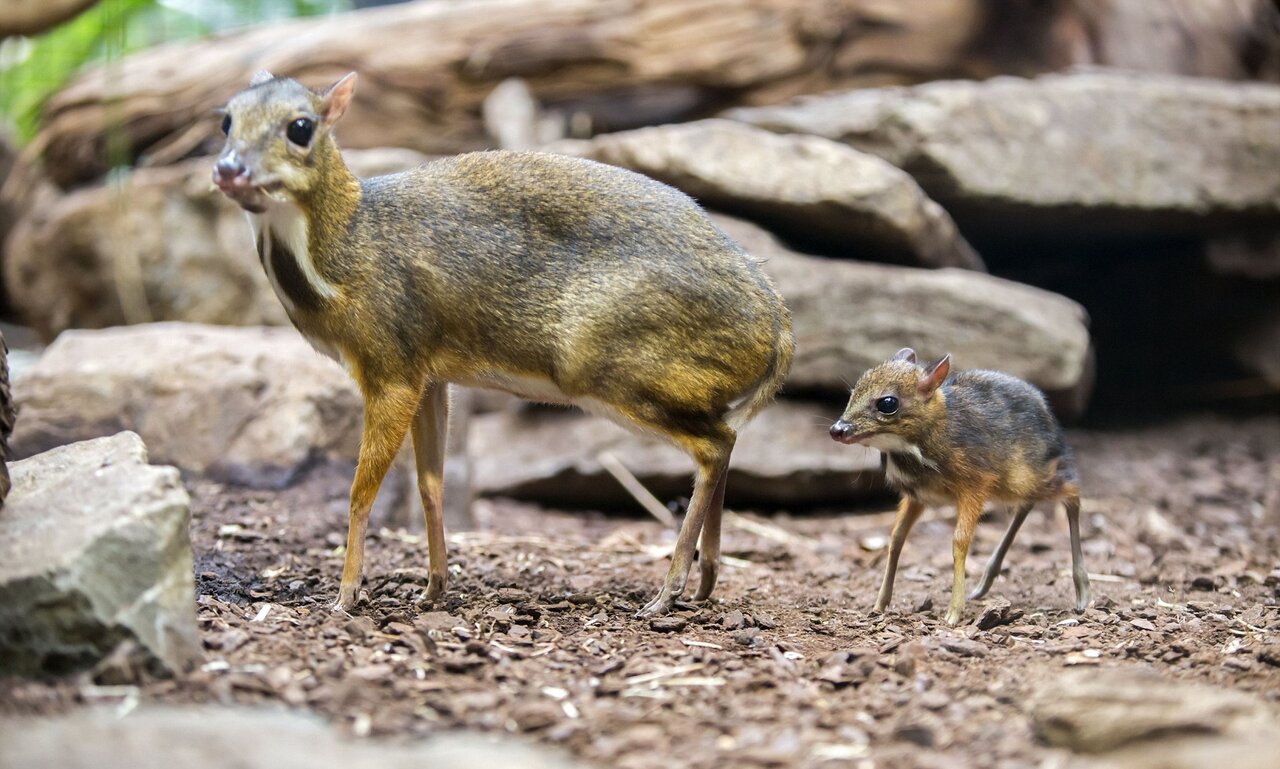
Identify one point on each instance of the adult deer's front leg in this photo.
(430, 429)
(387, 413)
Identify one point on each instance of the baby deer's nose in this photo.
(841, 430)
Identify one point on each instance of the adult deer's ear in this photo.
(934, 376)
(907, 354)
(335, 100)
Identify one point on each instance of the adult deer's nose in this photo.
(841, 430)
(229, 172)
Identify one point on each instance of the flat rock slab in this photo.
(1095, 714)
(1101, 147)
(783, 458)
(249, 405)
(849, 316)
(94, 551)
(851, 202)
(210, 737)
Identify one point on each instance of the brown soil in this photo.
(786, 666)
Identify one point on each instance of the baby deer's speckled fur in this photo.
(555, 278)
(963, 439)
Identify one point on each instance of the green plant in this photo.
(31, 69)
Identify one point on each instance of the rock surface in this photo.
(210, 737)
(251, 405)
(1138, 719)
(782, 459)
(94, 551)
(807, 187)
(849, 316)
(164, 245)
(1096, 148)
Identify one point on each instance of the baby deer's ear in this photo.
(335, 100)
(907, 354)
(260, 77)
(934, 376)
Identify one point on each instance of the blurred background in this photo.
(1085, 193)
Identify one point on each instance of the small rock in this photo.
(532, 716)
(965, 647)
(916, 734)
(360, 628)
(668, 624)
(934, 700)
(747, 636)
(732, 620)
(1000, 613)
(1203, 582)
(764, 621)
(1143, 624)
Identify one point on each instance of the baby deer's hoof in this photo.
(953, 617)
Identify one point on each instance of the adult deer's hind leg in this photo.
(430, 428)
(711, 452)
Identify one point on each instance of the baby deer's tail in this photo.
(767, 386)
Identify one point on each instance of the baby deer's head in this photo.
(279, 135)
(893, 404)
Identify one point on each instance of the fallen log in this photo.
(426, 68)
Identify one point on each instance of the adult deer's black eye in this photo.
(887, 405)
(226, 124)
(300, 131)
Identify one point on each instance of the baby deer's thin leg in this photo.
(387, 413)
(908, 513)
(713, 464)
(709, 543)
(997, 558)
(430, 428)
(968, 511)
(1078, 571)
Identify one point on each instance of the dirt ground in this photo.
(786, 667)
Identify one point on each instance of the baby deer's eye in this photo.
(887, 405)
(226, 124)
(300, 131)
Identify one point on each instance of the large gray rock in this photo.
(783, 458)
(1096, 149)
(250, 405)
(211, 737)
(852, 203)
(849, 316)
(1138, 720)
(162, 245)
(94, 551)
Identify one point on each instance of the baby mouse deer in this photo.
(962, 440)
(557, 279)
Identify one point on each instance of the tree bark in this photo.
(30, 17)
